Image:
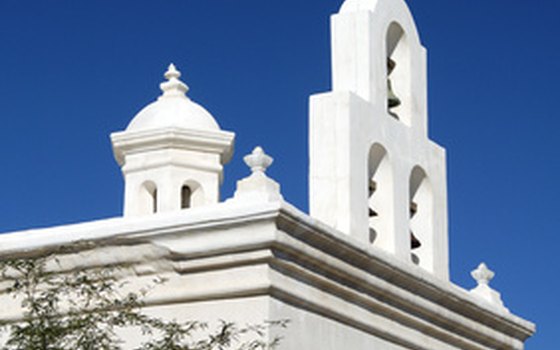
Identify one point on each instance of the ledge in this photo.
(307, 260)
(126, 142)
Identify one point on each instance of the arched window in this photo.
(186, 194)
(421, 218)
(148, 200)
(191, 195)
(398, 73)
(380, 203)
(154, 201)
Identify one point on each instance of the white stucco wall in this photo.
(349, 122)
(256, 257)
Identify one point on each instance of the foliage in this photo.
(84, 310)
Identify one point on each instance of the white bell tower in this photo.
(374, 173)
(172, 153)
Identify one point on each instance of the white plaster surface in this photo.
(255, 257)
(257, 187)
(170, 144)
(173, 108)
(348, 125)
(483, 276)
(311, 331)
(234, 250)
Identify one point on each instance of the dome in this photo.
(173, 109)
(176, 112)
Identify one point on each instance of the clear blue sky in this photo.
(72, 72)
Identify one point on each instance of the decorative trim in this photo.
(126, 142)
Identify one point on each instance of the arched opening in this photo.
(148, 198)
(398, 73)
(192, 195)
(154, 201)
(186, 194)
(380, 202)
(421, 218)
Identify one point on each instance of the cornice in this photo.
(306, 261)
(127, 142)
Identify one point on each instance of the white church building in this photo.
(368, 266)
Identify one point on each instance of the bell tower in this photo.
(172, 153)
(374, 173)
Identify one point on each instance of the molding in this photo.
(273, 249)
(408, 277)
(184, 162)
(126, 142)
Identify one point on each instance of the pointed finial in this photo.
(173, 87)
(482, 274)
(172, 72)
(258, 161)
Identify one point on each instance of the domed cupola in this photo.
(172, 153)
(173, 109)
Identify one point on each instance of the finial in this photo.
(257, 187)
(173, 87)
(482, 274)
(258, 161)
(172, 72)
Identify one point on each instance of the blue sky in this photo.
(72, 72)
